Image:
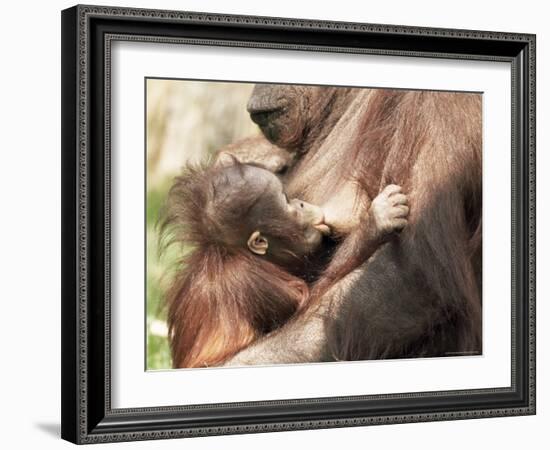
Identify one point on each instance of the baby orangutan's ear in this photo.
(257, 243)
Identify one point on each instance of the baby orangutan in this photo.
(250, 246)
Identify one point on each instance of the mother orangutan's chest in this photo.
(342, 201)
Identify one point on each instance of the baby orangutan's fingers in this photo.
(399, 224)
(389, 210)
(399, 199)
(401, 210)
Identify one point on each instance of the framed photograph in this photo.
(267, 222)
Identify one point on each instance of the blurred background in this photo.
(187, 121)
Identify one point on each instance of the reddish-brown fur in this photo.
(210, 316)
(222, 298)
(429, 143)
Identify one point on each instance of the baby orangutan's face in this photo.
(282, 228)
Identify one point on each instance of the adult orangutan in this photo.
(420, 294)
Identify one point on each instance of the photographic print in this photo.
(273, 204)
(293, 224)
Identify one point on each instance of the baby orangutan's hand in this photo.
(389, 210)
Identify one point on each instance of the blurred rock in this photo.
(189, 120)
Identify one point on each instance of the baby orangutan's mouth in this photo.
(323, 228)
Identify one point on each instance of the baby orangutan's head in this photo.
(242, 207)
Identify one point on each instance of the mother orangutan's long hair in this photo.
(430, 143)
(221, 299)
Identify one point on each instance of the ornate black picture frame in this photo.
(87, 34)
